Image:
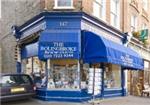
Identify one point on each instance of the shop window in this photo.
(112, 76)
(27, 66)
(39, 66)
(63, 4)
(63, 74)
(36, 69)
(84, 75)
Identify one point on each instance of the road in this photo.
(38, 102)
(129, 100)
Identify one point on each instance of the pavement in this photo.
(128, 100)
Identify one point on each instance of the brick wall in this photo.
(14, 12)
(0, 60)
(130, 9)
(87, 6)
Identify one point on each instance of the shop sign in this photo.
(127, 60)
(56, 50)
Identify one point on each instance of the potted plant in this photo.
(146, 43)
(136, 34)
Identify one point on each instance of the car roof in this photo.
(11, 74)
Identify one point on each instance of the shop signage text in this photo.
(127, 60)
(59, 50)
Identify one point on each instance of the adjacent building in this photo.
(136, 21)
(74, 49)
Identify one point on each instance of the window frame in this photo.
(101, 9)
(115, 13)
(144, 26)
(133, 25)
(145, 5)
(62, 7)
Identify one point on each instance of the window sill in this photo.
(59, 8)
(110, 89)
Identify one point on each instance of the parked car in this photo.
(16, 86)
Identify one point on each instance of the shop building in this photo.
(77, 56)
(74, 68)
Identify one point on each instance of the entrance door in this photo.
(135, 82)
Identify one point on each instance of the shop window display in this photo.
(27, 66)
(63, 74)
(112, 76)
(38, 66)
(36, 69)
(84, 75)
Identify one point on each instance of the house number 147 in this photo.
(62, 24)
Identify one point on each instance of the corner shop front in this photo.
(75, 60)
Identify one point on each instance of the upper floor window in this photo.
(99, 9)
(133, 23)
(145, 5)
(63, 4)
(144, 26)
(115, 13)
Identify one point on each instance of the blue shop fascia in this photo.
(73, 56)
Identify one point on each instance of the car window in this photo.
(15, 80)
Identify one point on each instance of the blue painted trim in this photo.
(18, 67)
(112, 92)
(68, 15)
(47, 15)
(74, 96)
(63, 95)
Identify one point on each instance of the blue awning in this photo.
(97, 49)
(59, 44)
(29, 50)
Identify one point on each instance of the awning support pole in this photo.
(103, 69)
